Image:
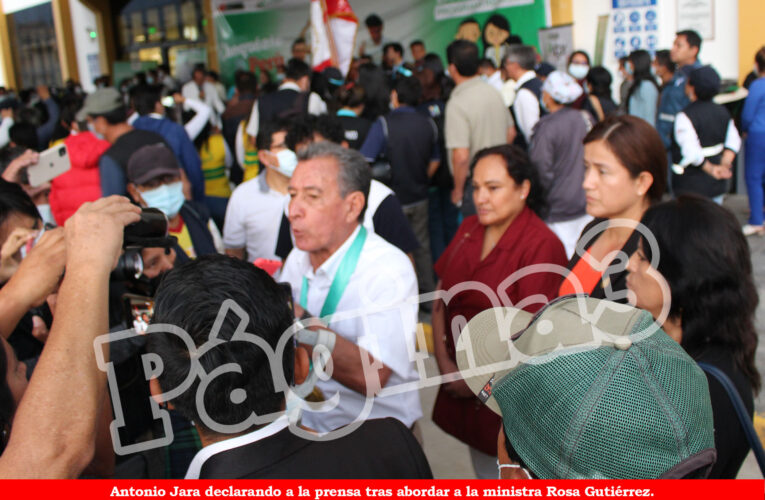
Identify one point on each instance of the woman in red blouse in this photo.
(506, 235)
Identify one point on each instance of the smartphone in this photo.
(52, 163)
(138, 311)
(168, 101)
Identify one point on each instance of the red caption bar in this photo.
(322, 489)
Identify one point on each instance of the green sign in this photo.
(261, 39)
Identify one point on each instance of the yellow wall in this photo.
(561, 12)
(750, 37)
(6, 55)
(67, 52)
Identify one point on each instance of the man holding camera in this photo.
(154, 180)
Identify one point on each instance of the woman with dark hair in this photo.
(643, 95)
(351, 98)
(495, 36)
(578, 67)
(599, 102)
(693, 272)
(372, 78)
(625, 172)
(217, 160)
(505, 236)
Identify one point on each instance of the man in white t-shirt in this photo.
(255, 209)
(199, 89)
(357, 284)
(374, 43)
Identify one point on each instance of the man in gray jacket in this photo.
(557, 151)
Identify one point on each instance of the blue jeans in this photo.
(755, 176)
(442, 220)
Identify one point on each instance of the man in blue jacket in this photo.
(685, 55)
(147, 102)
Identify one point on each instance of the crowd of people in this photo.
(535, 217)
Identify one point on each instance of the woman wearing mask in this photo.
(599, 102)
(506, 235)
(155, 180)
(694, 274)
(625, 172)
(578, 67)
(643, 96)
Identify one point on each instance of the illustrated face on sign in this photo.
(468, 31)
(495, 35)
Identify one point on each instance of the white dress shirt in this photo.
(5, 127)
(526, 106)
(195, 467)
(373, 315)
(253, 218)
(190, 90)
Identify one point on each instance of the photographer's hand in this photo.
(11, 173)
(55, 423)
(37, 276)
(9, 253)
(94, 233)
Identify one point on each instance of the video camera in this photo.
(149, 232)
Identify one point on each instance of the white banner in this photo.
(448, 9)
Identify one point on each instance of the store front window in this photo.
(160, 30)
(34, 46)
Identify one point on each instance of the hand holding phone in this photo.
(51, 163)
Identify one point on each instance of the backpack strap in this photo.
(743, 415)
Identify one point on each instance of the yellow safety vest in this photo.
(213, 155)
(251, 165)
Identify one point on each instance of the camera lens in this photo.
(129, 266)
(153, 225)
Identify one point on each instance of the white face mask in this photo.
(46, 214)
(287, 162)
(578, 71)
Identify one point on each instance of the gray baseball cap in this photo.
(150, 162)
(100, 102)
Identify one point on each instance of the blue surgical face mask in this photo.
(46, 214)
(168, 198)
(287, 162)
(578, 71)
(629, 69)
(93, 131)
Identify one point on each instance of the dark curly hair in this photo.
(520, 168)
(706, 261)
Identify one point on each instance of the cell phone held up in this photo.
(52, 163)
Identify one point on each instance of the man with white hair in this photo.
(356, 283)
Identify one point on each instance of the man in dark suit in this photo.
(235, 366)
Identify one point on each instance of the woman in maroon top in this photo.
(506, 235)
